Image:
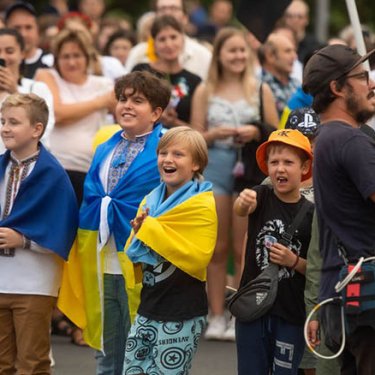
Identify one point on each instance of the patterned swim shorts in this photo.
(162, 348)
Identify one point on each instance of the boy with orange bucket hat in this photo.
(274, 342)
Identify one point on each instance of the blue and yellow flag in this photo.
(182, 229)
(45, 209)
(101, 216)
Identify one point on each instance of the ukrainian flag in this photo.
(103, 215)
(181, 229)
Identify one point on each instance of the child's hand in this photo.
(282, 255)
(10, 239)
(247, 200)
(138, 221)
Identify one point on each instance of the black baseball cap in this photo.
(329, 64)
(305, 120)
(24, 5)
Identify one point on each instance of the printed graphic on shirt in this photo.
(269, 233)
(179, 91)
(159, 273)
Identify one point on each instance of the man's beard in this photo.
(361, 115)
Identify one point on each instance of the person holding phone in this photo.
(12, 53)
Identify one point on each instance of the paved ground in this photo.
(213, 358)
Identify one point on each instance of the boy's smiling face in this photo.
(18, 134)
(286, 168)
(176, 166)
(134, 113)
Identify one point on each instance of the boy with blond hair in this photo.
(274, 342)
(174, 238)
(38, 222)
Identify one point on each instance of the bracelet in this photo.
(295, 263)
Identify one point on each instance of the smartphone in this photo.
(2, 62)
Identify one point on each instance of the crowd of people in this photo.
(145, 169)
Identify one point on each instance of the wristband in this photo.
(295, 263)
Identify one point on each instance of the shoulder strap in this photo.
(287, 236)
(261, 110)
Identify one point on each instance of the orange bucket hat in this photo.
(289, 137)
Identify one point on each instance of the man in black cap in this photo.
(344, 186)
(22, 16)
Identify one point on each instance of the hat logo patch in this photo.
(308, 121)
(284, 133)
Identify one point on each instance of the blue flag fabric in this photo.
(137, 251)
(123, 201)
(45, 209)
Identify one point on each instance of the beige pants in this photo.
(25, 322)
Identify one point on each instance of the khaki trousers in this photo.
(25, 322)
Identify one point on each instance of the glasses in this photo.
(361, 76)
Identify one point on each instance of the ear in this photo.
(195, 167)
(335, 90)
(305, 168)
(156, 114)
(38, 130)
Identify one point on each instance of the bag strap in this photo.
(287, 236)
(261, 104)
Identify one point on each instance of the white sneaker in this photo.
(51, 358)
(216, 328)
(230, 332)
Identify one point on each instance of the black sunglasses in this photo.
(362, 75)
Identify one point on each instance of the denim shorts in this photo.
(219, 170)
(162, 348)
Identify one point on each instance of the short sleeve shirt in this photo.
(271, 218)
(344, 179)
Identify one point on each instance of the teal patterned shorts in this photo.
(162, 348)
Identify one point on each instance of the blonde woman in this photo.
(228, 111)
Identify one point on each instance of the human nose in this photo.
(371, 83)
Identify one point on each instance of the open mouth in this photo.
(169, 170)
(282, 180)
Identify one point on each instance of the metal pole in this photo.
(354, 20)
(322, 11)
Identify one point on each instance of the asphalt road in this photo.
(212, 358)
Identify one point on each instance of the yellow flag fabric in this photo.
(80, 297)
(184, 235)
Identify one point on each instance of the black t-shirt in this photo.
(29, 70)
(169, 294)
(183, 85)
(271, 218)
(344, 179)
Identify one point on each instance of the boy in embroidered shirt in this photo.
(274, 343)
(38, 223)
(122, 172)
(175, 234)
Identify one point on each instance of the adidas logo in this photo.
(259, 297)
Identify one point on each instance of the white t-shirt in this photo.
(195, 57)
(72, 144)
